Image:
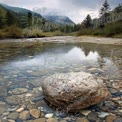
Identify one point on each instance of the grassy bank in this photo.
(109, 30)
(15, 32)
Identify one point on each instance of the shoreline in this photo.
(70, 39)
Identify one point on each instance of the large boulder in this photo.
(74, 91)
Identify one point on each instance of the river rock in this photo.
(74, 91)
(35, 113)
(18, 91)
(3, 107)
(13, 100)
(52, 120)
(13, 115)
(40, 120)
(81, 120)
(3, 92)
(24, 115)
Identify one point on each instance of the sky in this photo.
(77, 10)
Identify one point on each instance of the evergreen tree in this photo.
(105, 8)
(87, 23)
(10, 18)
(29, 19)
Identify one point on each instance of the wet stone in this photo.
(110, 118)
(93, 116)
(40, 120)
(20, 110)
(52, 120)
(3, 107)
(13, 100)
(103, 114)
(49, 115)
(19, 91)
(118, 120)
(13, 115)
(3, 92)
(35, 113)
(4, 120)
(24, 115)
(82, 120)
(10, 120)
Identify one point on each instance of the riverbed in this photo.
(25, 63)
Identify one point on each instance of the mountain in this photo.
(21, 15)
(62, 20)
(54, 15)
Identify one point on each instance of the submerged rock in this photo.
(74, 91)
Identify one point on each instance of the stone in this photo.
(35, 113)
(24, 115)
(20, 110)
(49, 115)
(19, 91)
(29, 121)
(74, 91)
(13, 100)
(4, 120)
(103, 114)
(10, 120)
(82, 119)
(13, 115)
(118, 120)
(3, 92)
(93, 116)
(52, 120)
(40, 120)
(3, 107)
(85, 112)
(110, 118)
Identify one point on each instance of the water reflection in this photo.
(35, 59)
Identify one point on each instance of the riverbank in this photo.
(70, 39)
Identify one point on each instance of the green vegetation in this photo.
(19, 23)
(113, 29)
(109, 30)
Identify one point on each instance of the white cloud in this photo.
(75, 9)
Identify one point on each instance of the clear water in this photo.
(22, 62)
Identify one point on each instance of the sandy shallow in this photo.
(70, 39)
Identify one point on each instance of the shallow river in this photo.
(26, 64)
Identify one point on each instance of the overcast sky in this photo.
(75, 9)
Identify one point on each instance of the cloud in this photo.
(75, 9)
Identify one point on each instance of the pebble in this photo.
(110, 118)
(40, 120)
(52, 120)
(49, 115)
(118, 120)
(4, 120)
(13, 100)
(120, 110)
(85, 112)
(3, 92)
(19, 91)
(10, 120)
(35, 113)
(93, 116)
(82, 120)
(103, 114)
(24, 115)
(20, 110)
(13, 115)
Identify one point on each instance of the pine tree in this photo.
(87, 22)
(105, 8)
(29, 18)
(10, 18)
